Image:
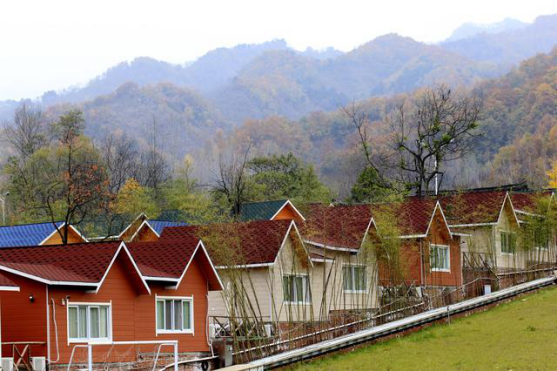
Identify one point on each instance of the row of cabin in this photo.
(350, 257)
(277, 264)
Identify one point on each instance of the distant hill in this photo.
(207, 73)
(519, 125)
(227, 86)
(180, 118)
(511, 46)
(472, 29)
(289, 84)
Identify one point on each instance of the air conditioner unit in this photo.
(38, 363)
(212, 331)
(7, 364)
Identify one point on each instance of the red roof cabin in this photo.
(106, 292)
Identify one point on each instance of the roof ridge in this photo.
(261, 202)
(29, 224)
(61, 245)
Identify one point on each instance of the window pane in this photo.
(299, 289)
(103, 323)
(347, 278)
(177, 315)
(360, 278)
(187, 314)
(168, 314)
(82, 322)
(94, 318)
(287, 288)
(433, 257)
(307, 290)
(512, 242)
(160, 314)
(72, 321)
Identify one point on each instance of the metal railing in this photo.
(160, 343)
(393, 327)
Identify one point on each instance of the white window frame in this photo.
(306, 293)
(89, 305)
(351, 266)
(501, 242)
(192, 315)
(437, 246)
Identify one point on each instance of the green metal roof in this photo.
(263, 210)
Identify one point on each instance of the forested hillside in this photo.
(180, 119)
(518, 126)
(282, 100)
(289, 84)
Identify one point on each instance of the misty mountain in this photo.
(509, 47)
(289, 84)
(179, 118)
(206, 74)
(472, 29)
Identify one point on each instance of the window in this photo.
(296, 289)
(439, 258)
(508, 242)
(354, 278)
(174, 315)
(88, 321)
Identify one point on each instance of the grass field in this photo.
(521, 335)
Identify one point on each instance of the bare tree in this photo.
(154, 169)
(359, 119)
(120, 154)
(439, 130)
(232, 180)
(26, 132)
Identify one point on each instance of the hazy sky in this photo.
(50, 45)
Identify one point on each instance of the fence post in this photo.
(176, 356)
(89, 357)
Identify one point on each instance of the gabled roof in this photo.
(6, 284)
(80, 264)
(142, 221)
(345, 226)
(168, 260)
(265, 210)
(253, 243)
(413, 215)
(27, 234)
(337, 227)
(527, 202)
(159, 225)
(473, 208)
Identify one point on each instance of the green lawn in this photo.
(521, 335)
